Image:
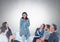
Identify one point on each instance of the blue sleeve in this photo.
(21, 22)
(53, 38)
(56, 38)
(42, 33)
(28, 22)
(9, 33)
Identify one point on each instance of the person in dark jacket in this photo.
(54, 35)
(39, 32)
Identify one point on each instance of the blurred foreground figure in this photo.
(9, 35)
(4, 30)
(39, 33)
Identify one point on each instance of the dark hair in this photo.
(3, 28)
(55, 26)
(4, 24)
(25, 14)
(48, 26)
(43, 25)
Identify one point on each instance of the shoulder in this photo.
(21, 18)
(9, 28)
(28, 19)
(56, 34)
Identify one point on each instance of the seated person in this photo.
(54, 35)
(3, 37)
(9, 34)
(46, 34)
(39, 32)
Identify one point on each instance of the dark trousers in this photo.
(15, 41)
(46, 40)
(35, 38)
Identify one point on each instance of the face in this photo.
(51, 28)
(24, 15)
(46, 28)
(42, 26)
(7, 25)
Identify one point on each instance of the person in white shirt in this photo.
(3, 37)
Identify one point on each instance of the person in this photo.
(9, 35)
(3, 37)
(46, 34)
(24, 27)
(54, 35)
(39, 32)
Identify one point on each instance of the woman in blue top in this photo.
(39, 32)
(24, 27)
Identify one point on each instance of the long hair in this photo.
(25, 14)
(48, 26)
(3, 27)
(43, 26)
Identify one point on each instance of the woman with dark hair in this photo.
(3, 37)
(4, 31)
(9, 34)
(39, 33)
(24, 27)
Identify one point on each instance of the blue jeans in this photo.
(24, 39)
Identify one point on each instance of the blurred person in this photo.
(9, 35)
(3, 37)
(54, 35)
(39, 32)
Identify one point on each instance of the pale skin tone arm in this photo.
(41, 39)
(11, 37)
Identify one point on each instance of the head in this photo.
(42, 26)
(5, 25)
(53, 27)
(47, 27)
(24, 15)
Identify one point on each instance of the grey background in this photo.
(10, 7)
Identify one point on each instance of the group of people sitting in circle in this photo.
(45, 33)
